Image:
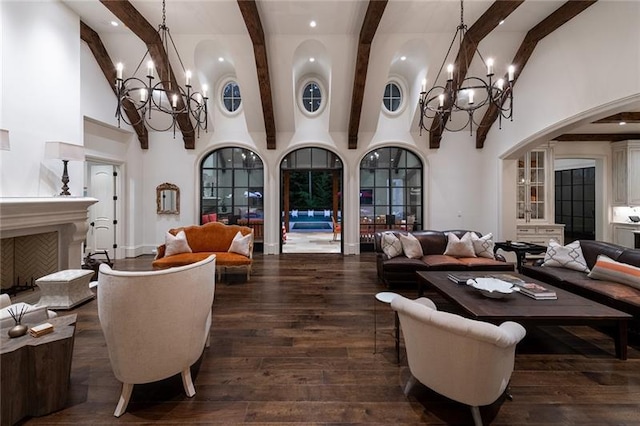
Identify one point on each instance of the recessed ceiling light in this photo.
(114, 24)
(622, 123)
(501, 22)
(312, 24)
(403, 58)
(312, 59)
(220, 59)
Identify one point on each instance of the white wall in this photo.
(573, 73)
(40, 96)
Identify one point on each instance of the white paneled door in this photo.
(102, 232)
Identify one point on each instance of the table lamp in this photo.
(65, 152)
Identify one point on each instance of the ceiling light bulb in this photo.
(312, 59)
(220, 59)
(312, 24)
(403, 58)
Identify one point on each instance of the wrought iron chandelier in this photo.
(163, 96)
(465, 95)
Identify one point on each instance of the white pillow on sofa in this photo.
(176, 244)
(569, 256)
(608, 269)
(411, 246)
(241, 244)
(483, 246)
(391, 245)
(460, 247)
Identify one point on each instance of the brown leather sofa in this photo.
(401, 270)
(205, 240)
(616, 295)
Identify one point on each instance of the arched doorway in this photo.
(311, 201)
(232, 189)
(390, 193)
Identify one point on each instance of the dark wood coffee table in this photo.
(568, 309)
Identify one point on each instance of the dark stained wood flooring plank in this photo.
(294, 346)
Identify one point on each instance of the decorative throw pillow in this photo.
(610, 270)
(176, 244)
(241, 244)
(411, 246)
(391, 245)
(460, 247)
(569, 256)
(483, 246)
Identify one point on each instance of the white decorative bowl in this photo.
(493, 287)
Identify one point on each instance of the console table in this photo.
(36, 371)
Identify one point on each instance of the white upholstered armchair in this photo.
(465, 360)
(155, 323)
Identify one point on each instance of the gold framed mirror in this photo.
(167, 199)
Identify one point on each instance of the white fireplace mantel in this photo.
(68, 216)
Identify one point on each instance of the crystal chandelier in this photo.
(162, 96)
(464, 94)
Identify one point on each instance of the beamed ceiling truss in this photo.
(563, 14)
(92, 39)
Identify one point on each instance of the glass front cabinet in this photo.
(535, 201)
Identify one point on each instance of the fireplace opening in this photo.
(26, 258)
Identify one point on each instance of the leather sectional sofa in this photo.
(401, 270)
(616, 295)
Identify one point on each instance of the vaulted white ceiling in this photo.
(419, 30)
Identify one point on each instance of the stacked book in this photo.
(41, 330)
(460, 277)
(536, 291)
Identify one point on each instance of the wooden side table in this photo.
(36, 371)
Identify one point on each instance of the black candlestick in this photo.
(65, 179)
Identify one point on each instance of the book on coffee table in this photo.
(461, 277)
(536, 291)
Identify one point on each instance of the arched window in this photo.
(232, 189)
(231, 98)
(312, 97)
(392, 97)
(390, 192)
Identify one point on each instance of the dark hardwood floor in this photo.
(295, 346)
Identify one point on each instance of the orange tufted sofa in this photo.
(204, 240)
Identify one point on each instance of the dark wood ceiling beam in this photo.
(89, 36)
(489, 20)
(627, 117)
(597, 137)
(130, 16)
(249, 10)
(372, 18)
(562, 15)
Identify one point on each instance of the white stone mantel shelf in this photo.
(68, 216)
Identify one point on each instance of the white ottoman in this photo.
(65, 289)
